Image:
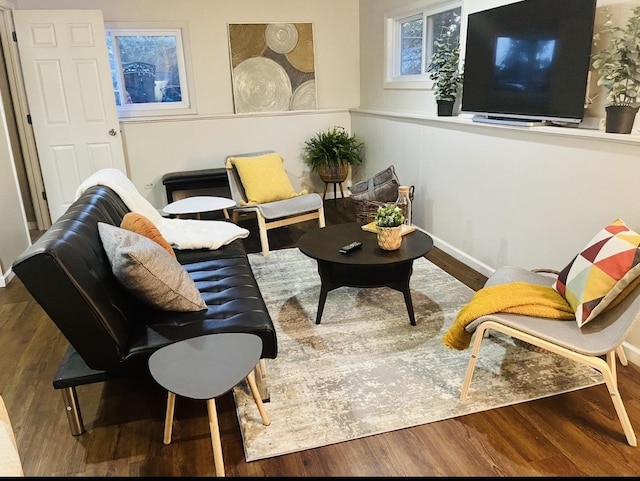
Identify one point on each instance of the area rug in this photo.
(365, 370)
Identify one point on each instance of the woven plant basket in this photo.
(333, 173)
(389, 238)
(366, 209)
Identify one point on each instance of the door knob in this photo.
(112, 132)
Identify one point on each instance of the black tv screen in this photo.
(528, 61)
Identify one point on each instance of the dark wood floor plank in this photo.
(573, 434)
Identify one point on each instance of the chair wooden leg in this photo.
(321, 221)
(168, 418)
(264, 240)
(612, 386)
(611, 362)
(479, 336)
(216, 442)
(621, 355)
(602, 366)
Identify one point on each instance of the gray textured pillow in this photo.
(382, 187)
(149, 271)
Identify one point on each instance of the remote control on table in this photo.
(350, 247)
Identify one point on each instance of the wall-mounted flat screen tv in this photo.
(527, 63)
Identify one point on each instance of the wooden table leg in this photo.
(168, 418)
(403, 286)
(342, 195)
(256, 396)
(216, 443)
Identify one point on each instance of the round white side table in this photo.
(198, 204)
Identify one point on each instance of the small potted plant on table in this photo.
(618, 65)
(388, 222)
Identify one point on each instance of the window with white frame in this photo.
(148, 71)
(411, 33)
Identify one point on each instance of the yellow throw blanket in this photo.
(514, 298)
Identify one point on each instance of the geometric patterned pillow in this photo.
(595, 277)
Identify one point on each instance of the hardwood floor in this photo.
(574, 434)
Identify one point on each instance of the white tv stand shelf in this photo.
(466, 120)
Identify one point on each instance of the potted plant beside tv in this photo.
(331, 152)
(444, 70)
(618, 66)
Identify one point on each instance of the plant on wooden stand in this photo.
(618, 66)
(389, 220)
(331, 152)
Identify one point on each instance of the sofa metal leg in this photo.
(261, 381)
(74, 416)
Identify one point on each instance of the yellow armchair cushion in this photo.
(263, 178)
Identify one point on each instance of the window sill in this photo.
(408, 85)
(465, 120)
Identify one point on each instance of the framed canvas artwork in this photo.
(272, 67)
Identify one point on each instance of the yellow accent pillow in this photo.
(140, 224)
(263, 178)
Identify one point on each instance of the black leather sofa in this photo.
(111, 334)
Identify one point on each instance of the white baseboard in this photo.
(466, 259)
(632, 352)
(6, 277)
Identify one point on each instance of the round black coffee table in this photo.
(368, 266)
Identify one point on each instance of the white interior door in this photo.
(65, 65)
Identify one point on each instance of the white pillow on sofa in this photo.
(148, 271)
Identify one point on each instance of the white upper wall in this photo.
(334, 28)
(373, 95)
(155, 147)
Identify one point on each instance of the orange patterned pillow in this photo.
(142, 225)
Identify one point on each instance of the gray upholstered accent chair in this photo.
(595, 344)
(271, 215)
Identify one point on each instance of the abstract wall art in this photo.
(272, 67)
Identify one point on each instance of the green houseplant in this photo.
(618, 67)
(388, 221)
(331, 152)
(389, 215)
(444, 70)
